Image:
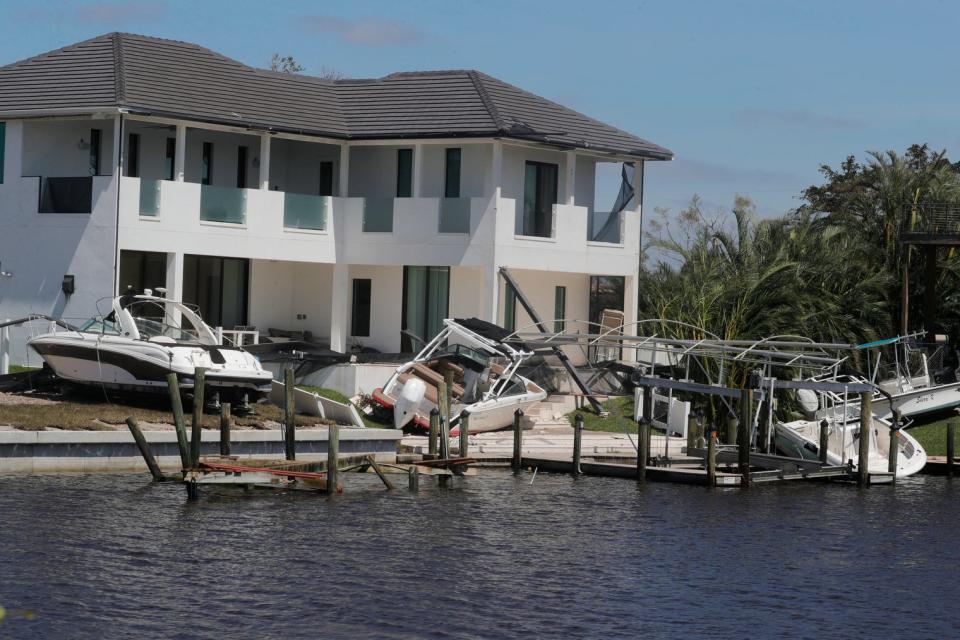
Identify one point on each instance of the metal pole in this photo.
(5, 350)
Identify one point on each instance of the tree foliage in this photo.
(285, 64)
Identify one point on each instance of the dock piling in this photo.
(464, 433)
(289, 415)
(643, 450)
(730, 435)
(145, 450)
(824, 447)
(517, 462)
(577, 438)
(712, 459)
(196, 428)
(893, 451)
(333, 458)
(413, 478)
(225, 420)
(744, 432)
(691, 432)
(951, 439)
(176, 405)
(434, 432)
(863, 452)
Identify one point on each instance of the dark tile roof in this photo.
(166, 77)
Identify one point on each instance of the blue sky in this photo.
(751, 95)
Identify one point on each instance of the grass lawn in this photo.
(16, 368)
(620, 419)
(933, 435)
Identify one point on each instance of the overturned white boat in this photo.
(483, 360)
(139, 342)
(801, 439)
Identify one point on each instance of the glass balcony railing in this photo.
(223, 204)
(378, 215)
(454, 215)
(536, 222)
(304, 211)
(149, 198)
(605, 226)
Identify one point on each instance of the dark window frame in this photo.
(426, 300)
(206, 163)
(170, 159)
(405, 172)
(245, 306)
(540, 167)
(243, 152)
(452, 172)
(325, 181)
(133, 155)
(96, 143)
(360, 325)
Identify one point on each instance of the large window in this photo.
(404, 173)
(451, 184)
(539, 196)
(218, 286)
(426, 292)
(326, 178)
(206, 163)
(141, 270)
(559, 308)
(169, 160)
(133, 155)
(360, 315)
(95, 138)
(606, 292)
(3, 147)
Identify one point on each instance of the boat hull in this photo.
(490, 415)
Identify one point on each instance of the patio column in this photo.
(265, 161)
(180, 153)
(339, 308)
(570, 179)
(496, 169)
(116, 170)
(344, 181)
(491, 294)
(13, 158)
(174, 284)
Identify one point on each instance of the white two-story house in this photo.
(355, 210)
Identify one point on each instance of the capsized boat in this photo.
(139, 342)
(483, 359)
(801, 439)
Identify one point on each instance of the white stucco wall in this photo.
(279, 291)
(54, 148)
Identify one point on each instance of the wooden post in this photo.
(517, 461)
(413, 478)
(691, 433)
(448, 380)
(648, 419)
(743, 435)
(289, 415)
(225, 419)
(824, 441)
(763, 428)
(199, 376)
(333, 458)
(643, 447)
(730, 435)
(951, 438)
(464, 433)
(712, 459)
(443, 394)
(577, 437)
(145, 449)
(863, 452)
(434, 432)
(176, 405)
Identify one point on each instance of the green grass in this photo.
(336, 396)
(17, 368)
(933, 435)
(620, 419)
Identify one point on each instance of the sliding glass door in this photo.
(539, 196)
(426, 295)
(218, 286)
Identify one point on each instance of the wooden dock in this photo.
(939, 466)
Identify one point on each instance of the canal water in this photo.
(494, 556)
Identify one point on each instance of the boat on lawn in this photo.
(483, 358)
(140, 341)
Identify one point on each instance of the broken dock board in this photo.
(677, 474)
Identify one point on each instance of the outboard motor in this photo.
(405, 408)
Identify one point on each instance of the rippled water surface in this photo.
(494, 556)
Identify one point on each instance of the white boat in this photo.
(139, 342)
(907, 379)
(801, 439)
(484, 363)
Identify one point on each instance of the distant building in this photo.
(361, 211)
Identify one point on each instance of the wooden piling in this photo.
(577, 437)
(951, 439)
(824, 447)
(225, 420)
(199, 377)
(691, 433)
(413, 478)
(730, 435)
(517, 462)
(443, 394)
(145, 449)
(464, 433)
(863, 452)
(176, 405)
(712, 459)
(744, 432)
(643, 448)
(333, 458)
(289, 415)
(763, 428)
(434, 432)
(647, 416)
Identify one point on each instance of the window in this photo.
(326, 178)
(451, 188)
(3, 147)
(169, 160)
(206, 163)
(559, 308)
(426, 292)
(133, 155)
(539, 196)
(141, 270)
(218, 286)
(360, 316)
(606, 292)
(241, 167)
(510, 309)
(95, 152)
(404, 173)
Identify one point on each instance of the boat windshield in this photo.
(100, 325)
(462, 351)
(152, 321)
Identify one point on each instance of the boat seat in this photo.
(497, 369)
